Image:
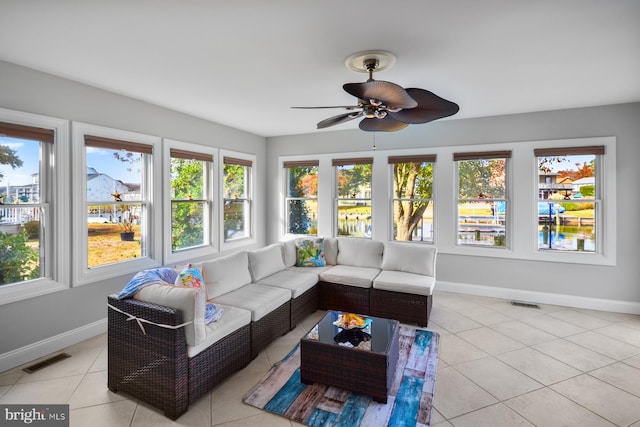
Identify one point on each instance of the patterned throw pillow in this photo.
(191, 277)
(310, 253)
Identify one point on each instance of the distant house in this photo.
(590, 180)
(549, 184)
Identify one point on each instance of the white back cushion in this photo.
(289, 252)
(410, 257)
(265, 261)
(226, 274)
(331, 250)
(190, 301)
(360, 252)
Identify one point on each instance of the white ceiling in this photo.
(244, 63)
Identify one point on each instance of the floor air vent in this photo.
(47, 362)
(525, 304)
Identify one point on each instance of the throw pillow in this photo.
(310, 253)
(191, 277)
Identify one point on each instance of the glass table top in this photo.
(375, 335)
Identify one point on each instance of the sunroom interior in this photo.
(69, 304)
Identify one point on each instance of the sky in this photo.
(28, 151)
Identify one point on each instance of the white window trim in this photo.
(284, 196)
(251, 239)
(392, 200)
(82, 275)
(170, 257)
(59, 224)
(337, 198)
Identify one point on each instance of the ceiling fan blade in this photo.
(388, 124)
(341, 118)
(430, 107)
(390, 94)
(346, 107)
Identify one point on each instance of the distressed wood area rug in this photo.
(410, 397)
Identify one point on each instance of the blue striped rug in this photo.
(410, 397)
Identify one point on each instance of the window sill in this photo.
(34, 288)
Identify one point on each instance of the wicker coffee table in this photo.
(358, 360)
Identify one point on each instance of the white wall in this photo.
(29, 325)
(605, 287)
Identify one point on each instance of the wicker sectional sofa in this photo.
(161, 352)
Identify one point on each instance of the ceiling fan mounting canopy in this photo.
(386, 106)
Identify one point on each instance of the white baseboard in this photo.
(42, 348)
(541, 297)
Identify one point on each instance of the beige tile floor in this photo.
(499, 365)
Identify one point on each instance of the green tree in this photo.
(187, 183)
(352, 180)
(411, 181)
(9, 157)
(481, 178)
(299, 221)
(18, 261)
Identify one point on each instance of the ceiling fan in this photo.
(386, 106)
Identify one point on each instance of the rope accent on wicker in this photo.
(140, 321)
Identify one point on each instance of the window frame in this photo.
(287, 198)
(420, 159)
(211, 189)
(336, 163)
(484, 155)
(152, 179)
(600, 152)
(251, 197)
(57, 254)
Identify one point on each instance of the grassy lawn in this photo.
(105, 246)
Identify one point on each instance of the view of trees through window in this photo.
(21, 209)
(412, 198)
(302, 198)
(353, 179)
(189, 200)
(237, 202)
(567, 200)
(482, 198)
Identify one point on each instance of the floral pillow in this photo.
(310, 253)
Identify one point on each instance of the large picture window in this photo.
(302, 197)
(482, 198)
(569, 198)
(353, 196)
(190, 176)
(412, 197)
(237, 198)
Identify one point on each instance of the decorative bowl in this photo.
(352, 321)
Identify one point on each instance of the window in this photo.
(569, 198)
(32, 174)
(353, 200)
(412, 197)
(116, 220)
(191, 201)
(482, 198)
(302, 197)
(237, 198)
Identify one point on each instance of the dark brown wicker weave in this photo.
(270, 327)
(360, 371)
(407, 308)
(304, 305)
(155, 368)
(343, 298)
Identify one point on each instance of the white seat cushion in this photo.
(310, 270)
(226, 274)
(265, 261)
(297, 283)
(360, 252)
(400, 281)
(260, 300)
(190, 301)
(231, 320)
(410, 257)
(361, 277)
